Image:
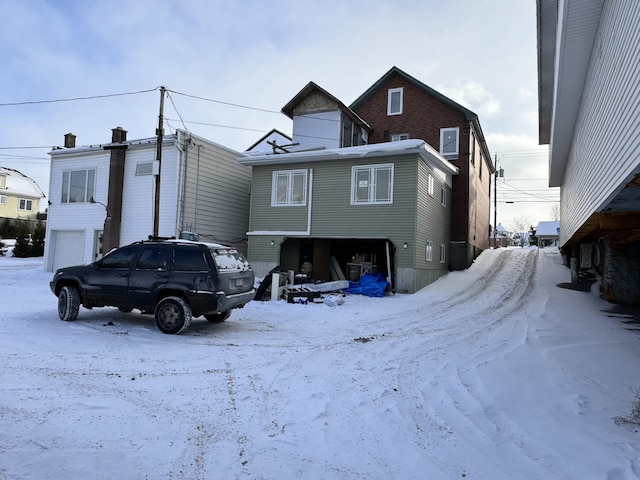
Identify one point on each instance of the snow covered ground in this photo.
(491, 373)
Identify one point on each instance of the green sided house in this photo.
(381, 208)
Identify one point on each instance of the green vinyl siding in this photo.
(433, 220)
(330, 195)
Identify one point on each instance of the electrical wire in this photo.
(93, 97)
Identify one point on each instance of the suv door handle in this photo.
(122, 275)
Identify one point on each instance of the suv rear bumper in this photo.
(228, 302)
(218, 302)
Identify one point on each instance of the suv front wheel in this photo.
(173, 315)
(68, 303)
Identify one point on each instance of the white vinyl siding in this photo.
(449, 140)
(372, 184)
(394, 101)
(289, 188)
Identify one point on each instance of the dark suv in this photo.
(174, 279)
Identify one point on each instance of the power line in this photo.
(12, 104)
(224, 103)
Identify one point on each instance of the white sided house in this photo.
(589, 115)
(103, 196)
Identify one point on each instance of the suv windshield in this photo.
(229, 259)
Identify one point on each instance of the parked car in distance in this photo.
(177, 280)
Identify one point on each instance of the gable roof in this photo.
(470, 116)
(18, 183)
(273, 131)
(312, 87)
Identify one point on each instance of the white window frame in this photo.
(22, 204)
(390, 95)
(398, 137)
(443, 253)
(144, 168)
(431, 183)
(88, 192)
(451, 152)
(371, 184)
(443, 197)
(429, 251)
(290, 198)
(3, 199)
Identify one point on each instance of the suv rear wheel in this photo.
(173, 315)
(68, 303)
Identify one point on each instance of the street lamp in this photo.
(91, 200)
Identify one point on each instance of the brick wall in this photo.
(422, 118)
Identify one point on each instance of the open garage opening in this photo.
(328, 259)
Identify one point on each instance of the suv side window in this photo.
(153, 258)
(190, 260)
(120, 258)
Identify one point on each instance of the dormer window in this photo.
(394, 101)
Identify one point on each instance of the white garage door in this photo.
(68, 248)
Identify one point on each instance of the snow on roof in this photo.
(426, 151)
(548, 228)
(18, 183)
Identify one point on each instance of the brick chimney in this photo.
(69, 140)
(112, 225)
(118, 135)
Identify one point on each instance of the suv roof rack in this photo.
(155, 238)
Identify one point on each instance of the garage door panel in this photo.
(68, 248)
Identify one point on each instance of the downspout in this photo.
(195, 204)
(183, 182)
(293, 233)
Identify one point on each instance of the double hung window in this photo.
(372, 184)
(449, 141)
(25, 204)
(289, 187)
(394, 101)
(78, 186)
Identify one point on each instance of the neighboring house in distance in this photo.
(400, 107)
(503, 237)
(269, 143)
(382, 207)
(589, 106)
(19, 195)
(548, 233)
(103, 196)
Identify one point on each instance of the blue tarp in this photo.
(371, 285)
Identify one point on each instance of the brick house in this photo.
(400, 107)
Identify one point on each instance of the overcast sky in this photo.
(259, 54)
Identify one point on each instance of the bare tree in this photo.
(555, 211)
(520, 227)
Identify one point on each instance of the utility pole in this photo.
(495, 200)
(159, 134)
